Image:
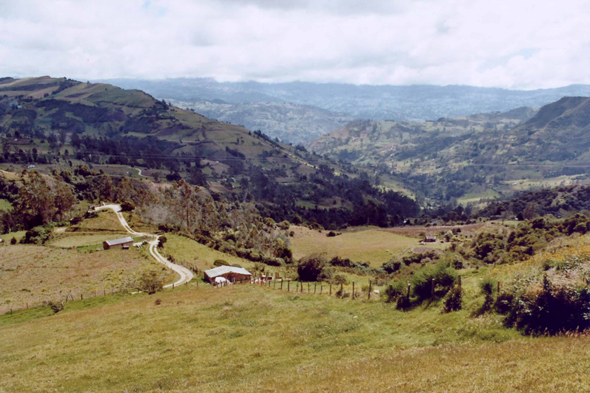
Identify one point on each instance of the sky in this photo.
(516, 44)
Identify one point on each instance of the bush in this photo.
(150, 282)
(127, 206)
(453, 300)
(161, 241)
(487, 288)
(311, 268)
(392, 266)
(220, 262)
(55, 307)
(13, 240)
(339, 279)
(38, 235)
(394, 292)
(444, 278)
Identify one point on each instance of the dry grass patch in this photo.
(106, 221)
(33, 274)
(371, 245)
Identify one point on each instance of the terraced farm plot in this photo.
(32, 274)
(371, 245)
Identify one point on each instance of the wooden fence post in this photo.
(330, 289)
(369, 289)
(499, 286)
(342, 288)
(409, 289)
(459, 281)
(281, 285)
(352, 297)
(308, 287)
(288, 285)
(315, 285)
(81, 297)
(301, 286)
(321, 287)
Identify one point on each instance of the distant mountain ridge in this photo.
(385, 102)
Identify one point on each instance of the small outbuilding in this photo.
(430, 239)
(230, 273)
(125, 242)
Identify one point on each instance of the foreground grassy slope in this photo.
(251, 339)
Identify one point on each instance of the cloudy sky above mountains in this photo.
(502, 43)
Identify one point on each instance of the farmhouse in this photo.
(230, 273)
(125, 242)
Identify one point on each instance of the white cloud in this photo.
(514, 44)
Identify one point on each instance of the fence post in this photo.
(281, 285)
(499, 286)
(81, 297)
(352, 297)
(321, 286)
(308, 287)
(330, 289)
(301, 286)
(459, 281)
(288, 285)
(172, 285)
(369, 289)
(409, 289)
(315, 285)
(27, 306)
(342, 288)
(104, 292)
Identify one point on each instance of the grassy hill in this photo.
(255, 338)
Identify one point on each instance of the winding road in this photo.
(185, 274)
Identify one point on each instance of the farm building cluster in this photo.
(223, 274)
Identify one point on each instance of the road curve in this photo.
(185, 274)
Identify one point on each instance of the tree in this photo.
(36, 201)
(530, 211)
(310, 268)
(150, 282)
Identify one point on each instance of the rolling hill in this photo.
(469, 156)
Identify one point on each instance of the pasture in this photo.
(247, 338)
(365, 244)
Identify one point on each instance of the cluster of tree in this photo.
(528, 238)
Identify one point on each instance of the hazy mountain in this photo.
(402, 103)
(289, 122)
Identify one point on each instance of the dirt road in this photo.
(185, 274)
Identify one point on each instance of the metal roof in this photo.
(218, 271)
(119, 241)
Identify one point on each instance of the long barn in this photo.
(125, 242)
(230, 273)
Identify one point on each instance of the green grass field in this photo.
(370, 245)
(246, 338)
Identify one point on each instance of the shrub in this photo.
(127, 206)
(339, 279)
(503, 302)
(55, 307)
(13, 240)
(392, 266)
(161, 241)
(310, 268)
(453, 300)
(38, 235)
(444, 277)
(220, 262)
(150, 282)
(394, 291)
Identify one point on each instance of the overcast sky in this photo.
(497, 43)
